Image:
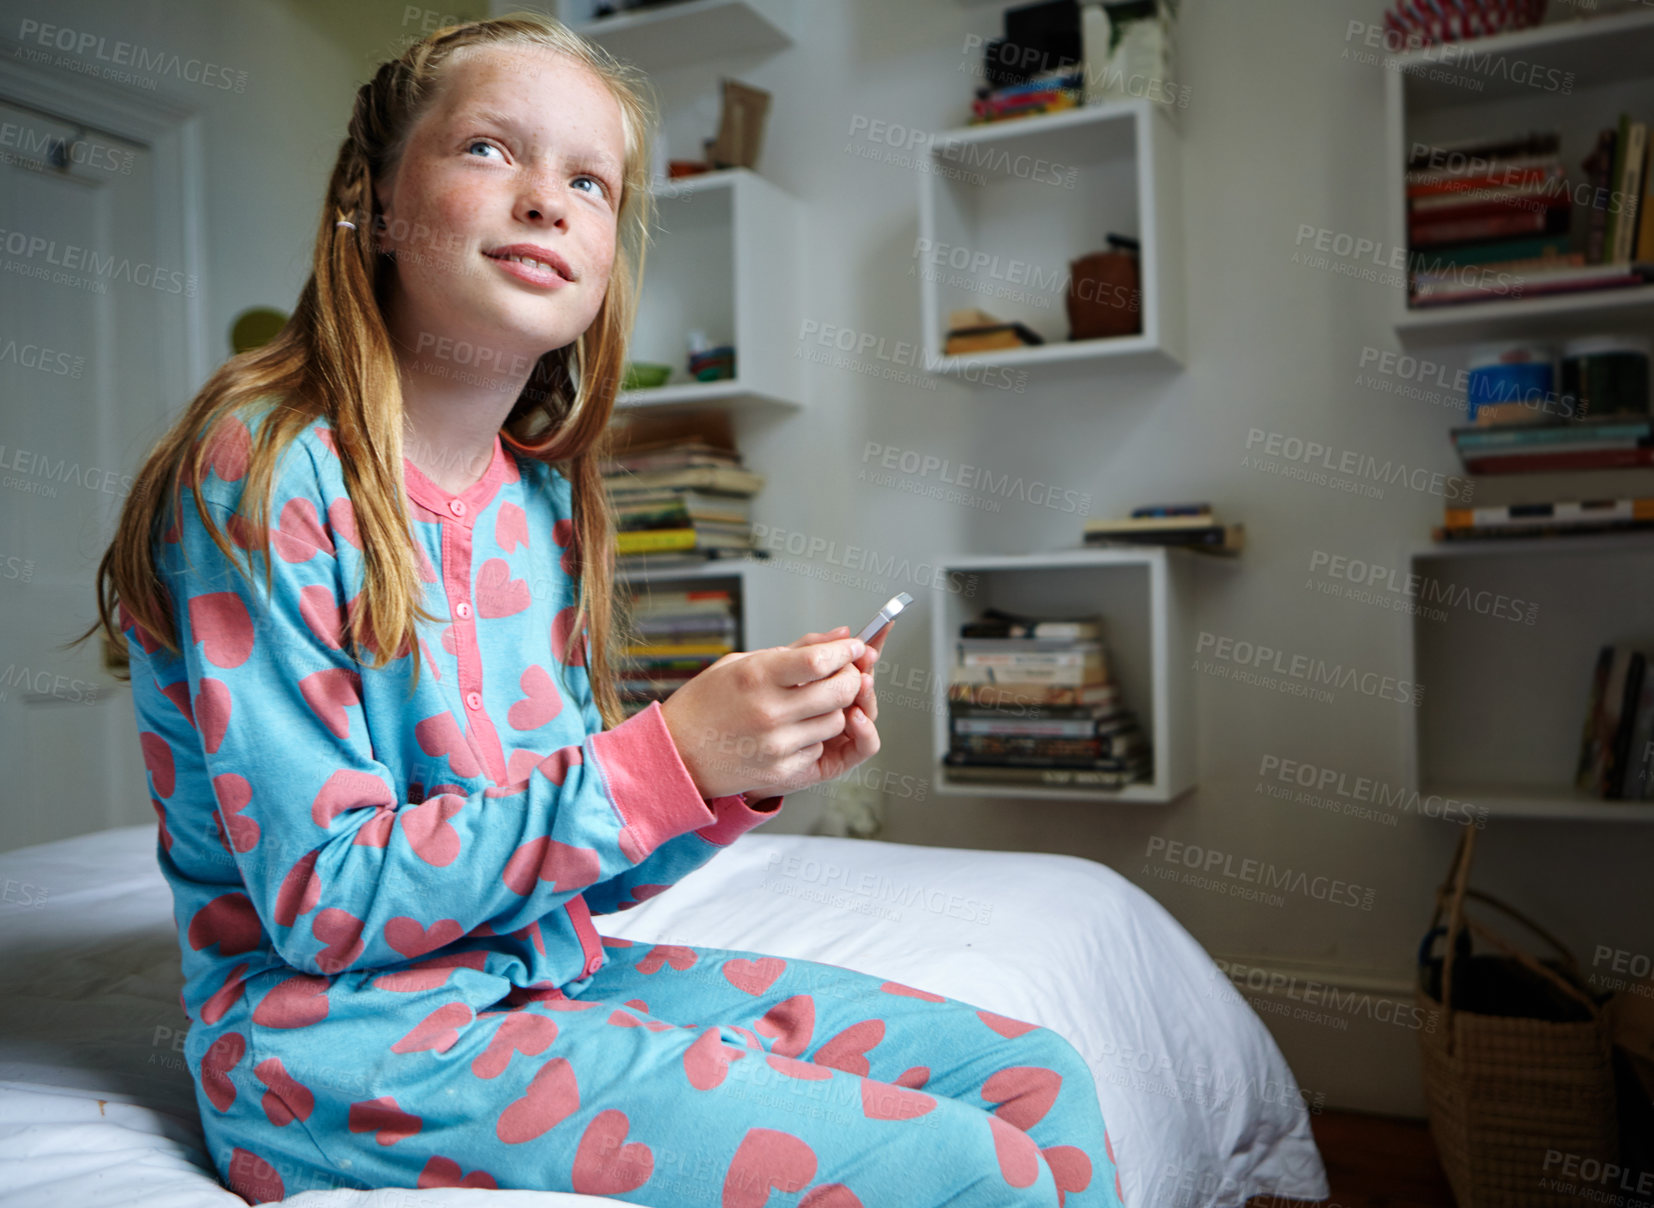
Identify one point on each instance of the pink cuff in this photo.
(736, 818)
(651, 789)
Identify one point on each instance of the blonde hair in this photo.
(334, 358)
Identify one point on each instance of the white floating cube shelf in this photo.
(667, 36)
(1145, 595)
(723, 261)
(1015, 202)
(1512, 751)
(1574, 76)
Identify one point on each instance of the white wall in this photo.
(1279, 131)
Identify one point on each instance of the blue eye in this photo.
(601, 187)
(480, 142)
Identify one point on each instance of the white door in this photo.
(91, 312)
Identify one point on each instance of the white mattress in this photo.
(97, 1107)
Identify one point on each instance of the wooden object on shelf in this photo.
(1104, 295)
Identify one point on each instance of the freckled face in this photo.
(520, 146)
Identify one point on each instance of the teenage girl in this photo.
(366, 582)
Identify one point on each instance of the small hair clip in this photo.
(346, 223)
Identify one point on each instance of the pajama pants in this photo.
(683, 1077)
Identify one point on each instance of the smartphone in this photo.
(886, 615)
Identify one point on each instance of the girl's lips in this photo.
(534, 274)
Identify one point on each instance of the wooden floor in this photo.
(1376, 1162)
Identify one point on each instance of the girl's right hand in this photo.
(760, 719)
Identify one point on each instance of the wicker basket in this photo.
(1518, 1071)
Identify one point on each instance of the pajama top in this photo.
(325, 826)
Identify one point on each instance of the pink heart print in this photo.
(885, 1101)
(561, 626)
(790, 1022)
(288, 1099)
(565, 867)
(676, 955)
(1018, 1156)
(229, 450)
(298, 534)
(706, 1061)
(212, 713)
(297, 1002)
(541, 701)
(754, 976)
(229, 921)
(440, 734)
(220, 625)
(158, 759)
(407, 936)
(1008, 1028)
(384, 1119)
(429, 834)
(603, 1165)
(498, 594)
(341, 931)
(848, 1050)
(1070, 1168)
(221, 1057)
(226, 996)
(511, 528)
(1024, 1094)
(300, 890)
(234, 794)
(438, 1031)
(445, 1172)
(551, 1098)
(767, 1159)
(520, 1032)
(329, 693)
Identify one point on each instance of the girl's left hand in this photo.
(860, 740)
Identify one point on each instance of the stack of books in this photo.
(1608, 442)
(1048, 92)
(974, 330)
(1570, 517)
(678, 634)
(1191, 525)
(1491, 219)
(1616, 753)
(1033, 702)
(680, 499)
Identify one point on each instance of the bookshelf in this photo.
(676, 35)
(1489, 89)
(1004, 207)
(1513, 751)
(1145, 594)
(723, 261)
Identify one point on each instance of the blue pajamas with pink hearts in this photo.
(384, 893)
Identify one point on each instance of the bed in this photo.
(97, 1107)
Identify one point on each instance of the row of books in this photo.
(1608, 442)
(1048, 92)
(1494, 218)
(1616, 753)
(1034, 702)
(1550, 518)
(678, 634)
(1189, 525)
(680, 495)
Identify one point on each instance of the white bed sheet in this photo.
(97, 1107)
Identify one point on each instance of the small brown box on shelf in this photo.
(1105, 296)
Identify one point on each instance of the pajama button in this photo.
(462, 610)
(474, 699)
(457, 506)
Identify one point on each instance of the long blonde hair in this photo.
(334, 358)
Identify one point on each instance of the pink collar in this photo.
(473, 499)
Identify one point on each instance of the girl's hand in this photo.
(777, 720)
